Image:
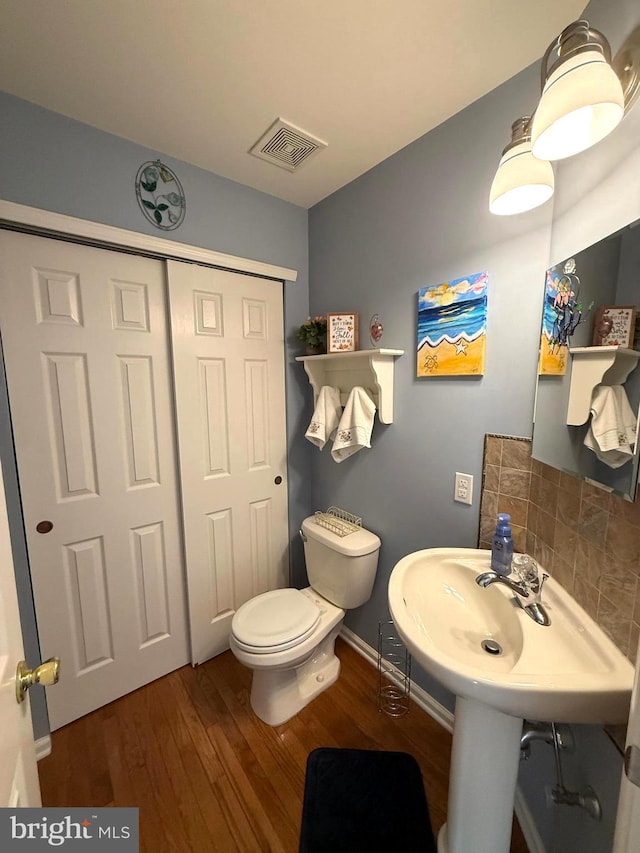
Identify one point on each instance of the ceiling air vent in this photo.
(286, 145)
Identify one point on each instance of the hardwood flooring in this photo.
(208, 775)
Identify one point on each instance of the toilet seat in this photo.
(275, 621)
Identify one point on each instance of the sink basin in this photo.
(569, 671)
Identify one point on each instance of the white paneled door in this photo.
(228, 351)
(86, 348)
(18, 773)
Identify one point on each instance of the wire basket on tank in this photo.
(394, 672)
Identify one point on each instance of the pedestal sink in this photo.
(569, 671)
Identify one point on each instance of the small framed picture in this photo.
(342, 332)
(614, 325)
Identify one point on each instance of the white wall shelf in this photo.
(591, 366)
(369, 368)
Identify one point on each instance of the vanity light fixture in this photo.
(582, 98)
(522, 181)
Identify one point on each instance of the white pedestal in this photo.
(484, 771)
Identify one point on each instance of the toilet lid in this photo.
(278, 619)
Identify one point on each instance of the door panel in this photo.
(86, 347)
(18, 774)
(228, 352)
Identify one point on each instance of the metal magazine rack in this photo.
(394, 672)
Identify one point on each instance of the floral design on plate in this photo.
(160, 195)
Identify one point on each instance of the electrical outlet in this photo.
(463, 489)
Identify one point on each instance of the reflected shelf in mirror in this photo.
(591, 366)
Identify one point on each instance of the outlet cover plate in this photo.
(463, 488)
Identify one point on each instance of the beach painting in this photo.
(452, 327)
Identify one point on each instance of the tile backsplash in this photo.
(586, 538)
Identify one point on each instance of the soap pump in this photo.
(502, 545)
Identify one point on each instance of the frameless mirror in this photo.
(605, 274)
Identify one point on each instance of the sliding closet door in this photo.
(228, 350)
(86, 349)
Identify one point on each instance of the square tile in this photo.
(515, 483)
(516, 453)
(491, 477)
(492, 450)
(623, 541)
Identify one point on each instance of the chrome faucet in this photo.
(527, 589)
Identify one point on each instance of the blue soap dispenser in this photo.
(502, 545)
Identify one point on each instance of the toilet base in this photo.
(279, 694)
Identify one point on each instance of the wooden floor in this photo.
(208, 775)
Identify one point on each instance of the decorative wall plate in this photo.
(160, 195)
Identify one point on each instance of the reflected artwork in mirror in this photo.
(562, 313)
(608, 274)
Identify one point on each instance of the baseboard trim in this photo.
(43, 747)
(445, 717)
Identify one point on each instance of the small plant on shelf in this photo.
(313, 333)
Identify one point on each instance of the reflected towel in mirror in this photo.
(612, 431)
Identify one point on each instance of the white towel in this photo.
(356, 423)
(612, 431)
(325, 417)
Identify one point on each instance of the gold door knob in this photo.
(47, 673)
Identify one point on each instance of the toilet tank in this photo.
(341, 568)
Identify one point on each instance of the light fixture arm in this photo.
(577, 38)
(626, 64)
(520, 132)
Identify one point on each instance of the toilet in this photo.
(287, 636)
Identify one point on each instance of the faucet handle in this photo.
(527, 569)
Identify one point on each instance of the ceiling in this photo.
(202, 80)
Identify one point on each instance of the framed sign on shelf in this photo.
(342, 332)
(614, 325)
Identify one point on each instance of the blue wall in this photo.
(421, 218)
(54, 163)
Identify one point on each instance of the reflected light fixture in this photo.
(582, 97)
(522, 181)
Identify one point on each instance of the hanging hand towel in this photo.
(325, 417)
(356, 423)
(612, 431)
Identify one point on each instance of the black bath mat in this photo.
(364, 800)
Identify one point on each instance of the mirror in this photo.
(606, 273)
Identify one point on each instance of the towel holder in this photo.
(591, 366)
(372, 369)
